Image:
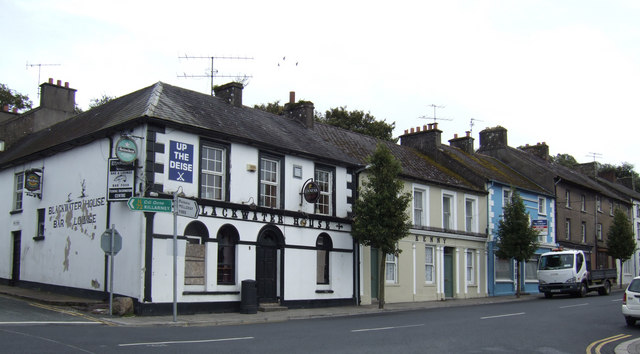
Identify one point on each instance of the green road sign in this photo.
(150, 204)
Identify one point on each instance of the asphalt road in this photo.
(558, 325)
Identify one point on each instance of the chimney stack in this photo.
(57, 97)
(464, 143)
(540, 149)
(303, 111)
(493, 138)
(426, 141)
(230, 92)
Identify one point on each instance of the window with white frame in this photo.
(418, 207)
(428, 264)
(324, 245)
(447, 211)
(542, 206)
(598, 203)
(324, 179)
(531, 270)
(567, 229)
(583, 202)
(610, 207)
(638, 231)
(506, 197)
(17, 191)
(599, 231)
(470, 268)
(638, 211)
(583, 231)
(40, 226)
(469, 215)
(567, 198)
(269, 182)
(213, 172)
(627, 266)
(391, 266)
(503, 269)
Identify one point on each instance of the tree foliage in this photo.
(358, 121)
(380, 212)
(273, 107)
(516, 237)
(564, 160)
(620, 242)
(14, 99)
(95, 102)
(623, 171)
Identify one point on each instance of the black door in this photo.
(15, 269)
(267, 268)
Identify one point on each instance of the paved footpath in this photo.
(235, 318)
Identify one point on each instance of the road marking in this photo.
(600, 343)
(505, 315)
(616, 300)
(385, 328)
(184, 341)
(47, 340)
(568, 306)
(48, 322)
(71, 313)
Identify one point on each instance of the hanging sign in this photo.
(311, 192)
(180, 161)
(33, 182)
(126, 149)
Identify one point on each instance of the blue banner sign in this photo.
(181, 162)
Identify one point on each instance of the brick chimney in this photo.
(464, 143)
(230, 92)
(303, 111)
(493, 138)
(540, 149)
(426, 141)
(57, 97)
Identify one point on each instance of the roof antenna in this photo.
(40, 65)
(471, 124)
(214, 72)
(595, 164)
(434, 114)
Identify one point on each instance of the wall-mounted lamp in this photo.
(251, 167)
(251, 202)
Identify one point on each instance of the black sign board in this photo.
(121, 180)
(311, 192)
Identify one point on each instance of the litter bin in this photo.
(249, 297)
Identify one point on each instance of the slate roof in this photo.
(415, 165)
(171, 105)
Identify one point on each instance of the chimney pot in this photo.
(424, 127)
(292, 97)
(455, 136)
(435, 125)
(51, 80)
(429, 126)
(417, 129)
(468, 133)
(412, 130)
(59, 82)
(406, 131)
(66, 84)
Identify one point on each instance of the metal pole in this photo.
(175, 257)
(113, 228)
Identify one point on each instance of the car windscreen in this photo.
(635, 286)
(556, 261)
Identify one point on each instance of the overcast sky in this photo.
(562, 72)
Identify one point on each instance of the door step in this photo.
(271, 307)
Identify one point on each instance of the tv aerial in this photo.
(471, 124)
(435, 118)
(214, 72)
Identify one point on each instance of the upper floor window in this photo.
(213, 172)
(583, 202)
(323, 246)
(567, 198)
(542, 206)
(270, 181)
(506, 197)
(418, 207)
(583, 231)
(598, 204)
(17, 194)
(599, 231)
(324, 179)
(469, 215)
(638, 211)
(447, 211)
(638, 231)
(610, 207)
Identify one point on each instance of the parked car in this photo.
(631, 302)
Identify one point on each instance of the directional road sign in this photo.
(105, 242)
(187, 207)
(150, 204)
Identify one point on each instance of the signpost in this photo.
(187, 207)
(111, 244)
(150, 204)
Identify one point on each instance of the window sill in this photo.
(39, 238)
(324, 291)
(210, 293)
(12, 212)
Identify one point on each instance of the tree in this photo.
(13, 99)
(564, 160)
(95, 102)
(380, 212)
(273, 107)
(359, 122)
(624, 171)
(516, 238)
(620, 242)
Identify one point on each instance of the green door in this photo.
(374, 273)
(448, 272)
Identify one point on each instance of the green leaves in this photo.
(13, 99)
(516, 238)
(620, 242)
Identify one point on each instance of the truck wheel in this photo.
(605, 289)
(630, 321)
(582, 290)
(548, 295)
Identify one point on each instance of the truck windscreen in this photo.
(556, 261)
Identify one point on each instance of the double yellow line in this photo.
(68, 312)
(602, 342)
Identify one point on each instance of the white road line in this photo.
(616, 300)
(385, 328)
(49, 322)
(577, 305)
(184, 341)
(505, 315)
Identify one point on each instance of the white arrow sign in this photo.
(187, 207)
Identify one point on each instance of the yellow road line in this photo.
(68, 312)
(602, 342)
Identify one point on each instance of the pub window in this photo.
(40, 226)
(270, 181)
(428, 264)
(227, 241)
(213, 172)
(324, 179)
(391, 266)
(17, 194)
(195, 254)
(324, 247)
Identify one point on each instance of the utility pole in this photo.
(214, 72)
(40, 65)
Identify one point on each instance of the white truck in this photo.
(569, 272)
